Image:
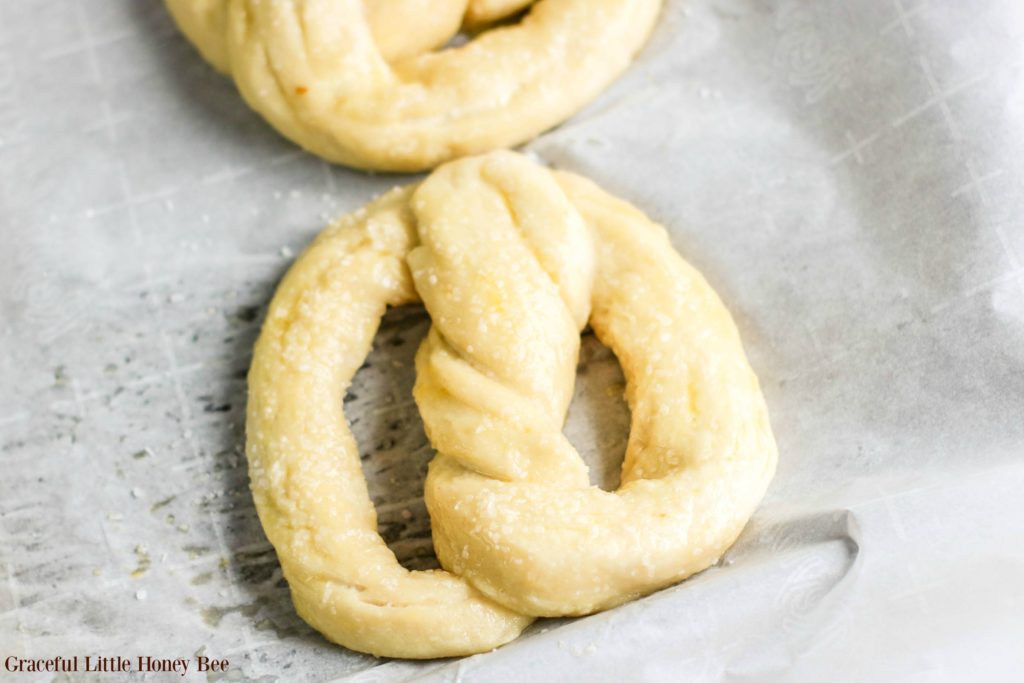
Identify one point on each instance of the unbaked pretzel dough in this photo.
(511, 261)
(355, 81)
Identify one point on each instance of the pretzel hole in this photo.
(395, 452)
(468, 33)
(598, 420)
(458, 40)
(471, 31)
(393, 448)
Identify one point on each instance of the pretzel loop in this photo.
(356, 81)
(511, 261)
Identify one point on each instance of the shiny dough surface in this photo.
(358, 82)
(511, 261)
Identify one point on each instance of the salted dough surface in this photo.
(511, 261)
(359, 82)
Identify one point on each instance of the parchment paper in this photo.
(848, 175)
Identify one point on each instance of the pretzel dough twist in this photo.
(354, 81)
(511, 261)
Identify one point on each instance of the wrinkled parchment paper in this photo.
(848, 175)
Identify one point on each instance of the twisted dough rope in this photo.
(354, 81)
(511, 261)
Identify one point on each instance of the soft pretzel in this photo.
(356, 82)
(511, 261)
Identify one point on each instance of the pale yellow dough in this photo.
(511, 261)
(356, 82)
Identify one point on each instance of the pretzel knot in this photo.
(511, 261)
(356, 81)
